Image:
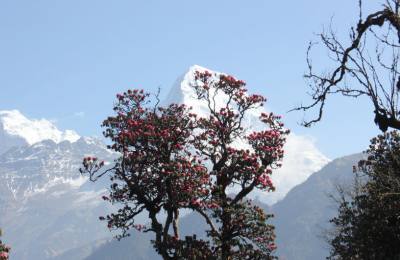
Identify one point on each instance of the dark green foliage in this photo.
(368, 222)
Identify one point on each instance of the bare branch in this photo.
(356, 62)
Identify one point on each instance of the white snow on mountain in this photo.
(183, 92)
(302, 157)
(45, 199)
(14, 124)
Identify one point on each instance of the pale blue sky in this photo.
(66, 60)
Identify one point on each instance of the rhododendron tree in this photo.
(4, 250)
(171, 159)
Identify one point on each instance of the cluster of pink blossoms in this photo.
(3, 255)
(4, 250)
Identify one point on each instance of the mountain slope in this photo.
(302, 217)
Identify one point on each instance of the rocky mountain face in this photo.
(46, 206)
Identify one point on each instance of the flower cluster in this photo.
(139, 227)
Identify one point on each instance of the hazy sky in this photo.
(66, 60)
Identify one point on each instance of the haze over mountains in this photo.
(49, 211)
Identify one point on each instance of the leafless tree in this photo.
(367, 65)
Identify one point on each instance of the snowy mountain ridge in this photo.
(45, 199)
(36, 168)
(15, 124)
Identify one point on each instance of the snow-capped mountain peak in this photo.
(302, 157)
(182, 92)
(16, 126)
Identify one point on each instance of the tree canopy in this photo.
(171, 159)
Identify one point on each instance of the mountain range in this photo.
(49, 211)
